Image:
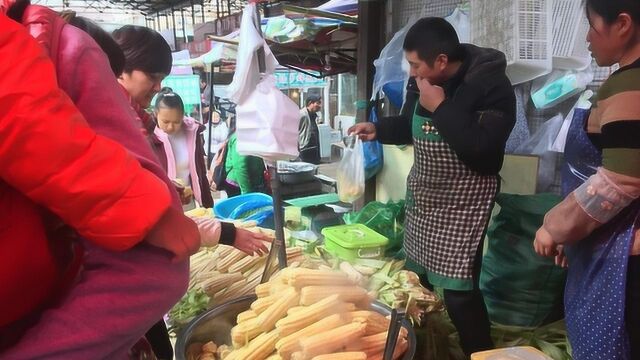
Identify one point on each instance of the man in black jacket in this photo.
(458, 114)
(309, 135)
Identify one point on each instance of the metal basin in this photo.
(215, 325)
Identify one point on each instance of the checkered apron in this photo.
(448, 206)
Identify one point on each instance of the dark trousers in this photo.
(158, 337)
(632, 307)
(468, 312)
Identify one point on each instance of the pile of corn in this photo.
(225, 273)
(307, 314)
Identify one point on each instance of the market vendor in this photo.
(459, 112)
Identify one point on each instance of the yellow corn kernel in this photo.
(312, 294)
(401, 348)
(376, 323)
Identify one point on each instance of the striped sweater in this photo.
(614, 123)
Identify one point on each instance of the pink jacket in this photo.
(197, 166)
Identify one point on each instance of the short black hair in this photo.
(169, 99)
(432, 36)
(312, 99)
(144, 49)
(610, 9)
(104, 40)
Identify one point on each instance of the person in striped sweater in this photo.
(599, 222)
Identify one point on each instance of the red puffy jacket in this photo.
(54, 169)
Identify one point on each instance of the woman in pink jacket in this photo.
(181, 149)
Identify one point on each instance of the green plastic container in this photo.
(354, 241)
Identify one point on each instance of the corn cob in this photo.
(295, 309)
(224, 250)
(331, 341)
(246, 315)
(262, 346)
(289, 344)
(263, 290)
(301, 319)
(354, 355)
(260, 305)
(278, 310)
(219, 282)
(244, 264)
(238, 354)
(223, 351)
(375, 322)
(401, 348)
(274, 357)
(244, 332)
(312, 294)
(232, 258)
(300, 277)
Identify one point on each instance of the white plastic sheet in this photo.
(267, 123)
(247, 75)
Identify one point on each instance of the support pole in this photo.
(175, 36)
(184, 26)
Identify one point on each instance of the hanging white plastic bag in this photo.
(460, 21)
(247, 74)
(391, 65)
(350, 175)
(267, 123)
(561, 140)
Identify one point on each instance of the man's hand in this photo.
(366, 131)
(175, 233)
(431, 96)
(250, 242)
(544, 245)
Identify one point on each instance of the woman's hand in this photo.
(544, 244)
(250, 242)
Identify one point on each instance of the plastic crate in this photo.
(570, 26)
(519, 28)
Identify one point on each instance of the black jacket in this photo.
(476, 117)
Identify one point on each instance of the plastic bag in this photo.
(247, 74)
(582, 103)
(460, 21)
(540, 144)
(392, 66)
(386, 219)
(373, 153)
(267, 124)
(520, 288)
(350, 174)
(581, 157)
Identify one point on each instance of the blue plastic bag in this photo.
(373, 160)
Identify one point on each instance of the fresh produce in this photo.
(323, 327)
(220, 274)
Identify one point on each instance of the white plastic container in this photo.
(570, 26)
(522, 29)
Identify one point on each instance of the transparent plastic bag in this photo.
(350, 175)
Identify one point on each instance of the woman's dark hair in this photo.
(610, 9)
(144, 49)
(104, 40)
(168, 99)
(432, 36)
(16, 11)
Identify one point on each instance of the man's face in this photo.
(420, 69)
(315, 106)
